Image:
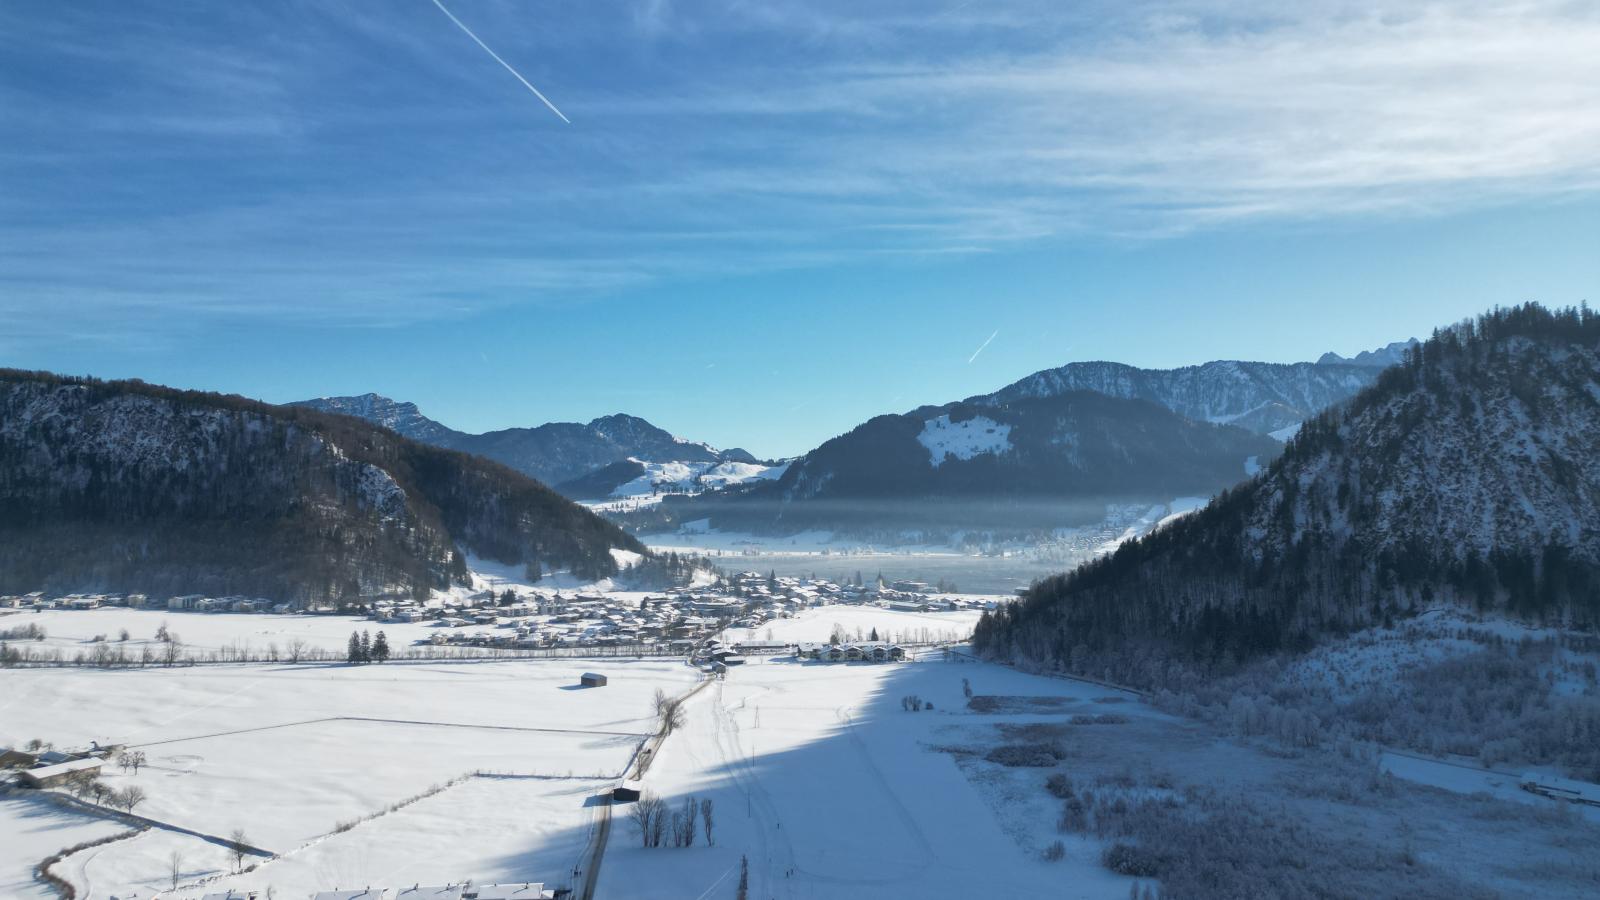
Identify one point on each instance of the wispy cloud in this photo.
(325, 161)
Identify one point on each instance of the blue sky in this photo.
(768, 222)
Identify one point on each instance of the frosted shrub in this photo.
(1035, 755)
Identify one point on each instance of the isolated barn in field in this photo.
(592, 679)
(49, 776)
(627, 791)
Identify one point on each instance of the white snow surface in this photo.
(963, 440)
(694, 476)
(31, 829)
(831, 790)
(289, 752)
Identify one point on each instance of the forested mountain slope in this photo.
(1021, 464)
(129, 486)
(1470, 474)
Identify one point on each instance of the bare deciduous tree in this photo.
(132, 797)
(175, 866)
(705, 820)
(646, 812)
(238, 847)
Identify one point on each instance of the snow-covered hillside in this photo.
(693, 477)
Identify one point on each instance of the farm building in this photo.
(531, 891)
(424, 892)
(762, 646)
(863, 651)
(232, 894)
(627, 791)
(12, 758)
(50, 776)
(592, 679)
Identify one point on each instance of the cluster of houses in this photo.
(183, 603)
(675, 620)
(524, 891)
(531, 620)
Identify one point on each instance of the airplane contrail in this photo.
(502, 62)
(980, 348)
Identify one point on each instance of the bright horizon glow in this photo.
(771, 223)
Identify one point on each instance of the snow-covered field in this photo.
(485, 830)
(819, 777)
(288, 753)
(661, 479)
(972, 437)
(817, 624)
(830, 789)
(31, 829)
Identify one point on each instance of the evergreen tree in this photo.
(364, 648)
(380, 648)
(353, 651)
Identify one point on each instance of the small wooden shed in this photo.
(592, 679)
(627, 791)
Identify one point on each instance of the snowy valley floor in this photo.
(818, 774)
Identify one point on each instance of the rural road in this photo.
(641, 765)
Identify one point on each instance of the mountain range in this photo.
(1266, 398)
(554, 453)
(1381, 358)
(1469, 474)
(1050, 449)
(132, 487)
(1027, 464)
(1068, 445)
